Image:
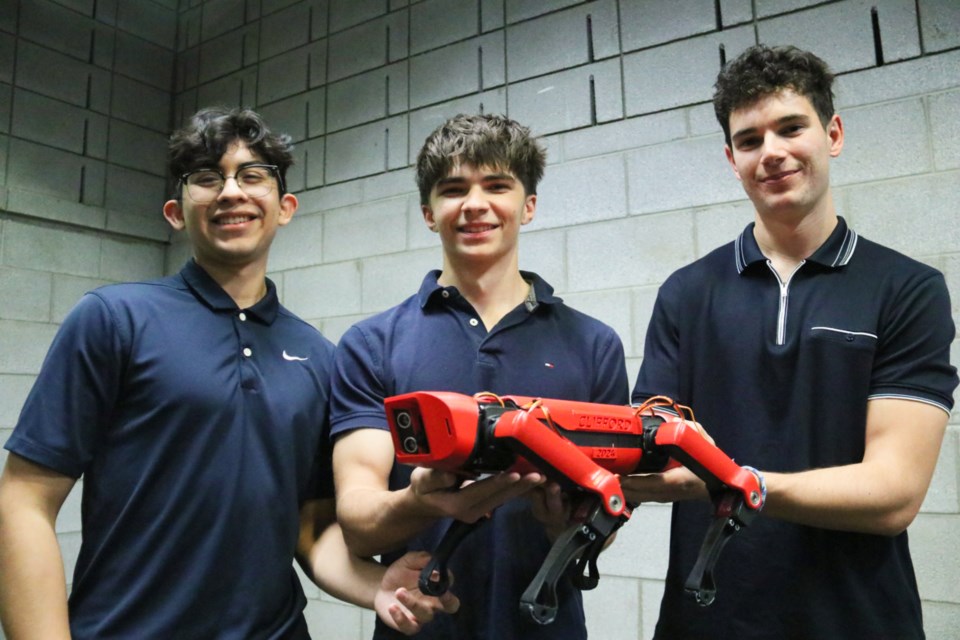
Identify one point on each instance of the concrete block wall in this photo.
(637, 183)
(85, 106)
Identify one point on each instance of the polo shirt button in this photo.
(850, 338)
(247, 351)
(474, 322)
(242, 316)
(445, 293)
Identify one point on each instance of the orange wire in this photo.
(489, 396)
(683, 412)
(538, 404)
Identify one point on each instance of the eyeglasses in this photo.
(255, 180)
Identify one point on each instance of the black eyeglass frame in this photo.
(274, 169)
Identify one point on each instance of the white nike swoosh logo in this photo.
(287, 356)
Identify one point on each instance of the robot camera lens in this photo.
(403, 418)
(410, 444)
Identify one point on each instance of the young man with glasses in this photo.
(194, 408)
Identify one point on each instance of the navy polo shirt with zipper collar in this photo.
(780, 372)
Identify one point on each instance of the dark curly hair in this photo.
(203, 141)
(482, 141)
(761, 71)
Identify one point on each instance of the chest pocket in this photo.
(842, 354)
(852, 339)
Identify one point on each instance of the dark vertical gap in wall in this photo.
(83, 168)
(93, 46)
(111, 92)
(718, 11)
(386, 92)
(326, 94)
(503, 59)
(591, 55)
(918, 9)
(407, 103)
(386, 149)
(479, 18)
(723, 56)
(623, 79)
(481, 108)
(309, 68)
(88, 99)
(480, 68)
(303, 170)
(593, 100)
(877, 41)
(306, 119)
(387, 61)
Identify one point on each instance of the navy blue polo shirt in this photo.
(780, 374)
(196, 426)
(435, 341)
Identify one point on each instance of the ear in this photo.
(835, 133)
(173, 212)
(729, 152)
(529, 209)
(428, 217)
(288, 206)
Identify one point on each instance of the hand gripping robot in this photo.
(584, 447)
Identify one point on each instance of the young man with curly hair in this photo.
(814, 354)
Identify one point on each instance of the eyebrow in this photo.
(487, 177)
(240, 167)
(793, 117)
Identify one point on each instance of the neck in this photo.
(246, 285)
(492, 291)
(787, 241)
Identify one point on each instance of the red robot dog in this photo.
(584, 447)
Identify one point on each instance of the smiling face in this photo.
(781, 153)
(235, 230)
(478, 212)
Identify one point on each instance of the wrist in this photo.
(762, 482)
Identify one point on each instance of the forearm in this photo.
(390, 591)
(377, 521)
(858, 497)
(33, 593)
(883, 492)
(340, 573)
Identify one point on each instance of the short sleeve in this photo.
(913, 355)
(75, 393)
(659, 371)
(358, 388)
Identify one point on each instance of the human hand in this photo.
(399, 601)
(446, 494)
(672, 485)
(551, 506)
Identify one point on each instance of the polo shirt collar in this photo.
(835, 252)
(542, 292)
(212, 294)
